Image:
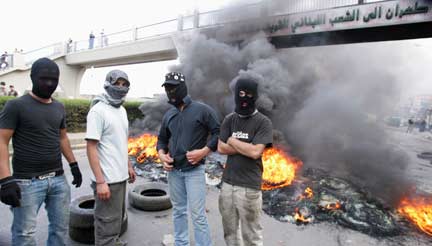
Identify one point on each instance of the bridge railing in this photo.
(47, 51)
(197, 20)
(228, 15)
(102, 40)
(297, 6)
(157, 29)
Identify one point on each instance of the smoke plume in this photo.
(326, 103)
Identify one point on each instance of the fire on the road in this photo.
(307, 194)
(279, 168)
(298, 216)
(419, 211)
(143, 147)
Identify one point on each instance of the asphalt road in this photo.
(149, 228)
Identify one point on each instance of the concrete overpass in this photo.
(287, 23)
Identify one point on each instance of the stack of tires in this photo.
(81, 220)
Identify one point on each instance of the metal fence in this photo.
(228, 15)
(198, 20)
(47, 51)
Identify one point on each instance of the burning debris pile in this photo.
(314, 197)
(144, 148)
(144, 157)
(419, 211)
(279, 168)
(318, 197)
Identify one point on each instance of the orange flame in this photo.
(143, 147)
(307, 193)
(333, 206)
(418, 211)
(279, 168)
(300, 218)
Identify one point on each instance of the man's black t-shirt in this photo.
(36, 138)
(241, 170)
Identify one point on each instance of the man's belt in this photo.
(42, 176)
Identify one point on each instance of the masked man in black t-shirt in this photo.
(244, 135)
(37, 125)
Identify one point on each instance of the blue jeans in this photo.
(55, 192)
(188, 189)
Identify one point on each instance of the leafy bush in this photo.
(133, 111)
(77, 109)
(76, 113)
(3, 100)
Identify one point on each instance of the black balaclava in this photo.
(246, 105)
(175, 88)
(45, 77)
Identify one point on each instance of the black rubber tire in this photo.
(425, 155)
(82, 235)
(82, 212)
(156, 199)
(81, 220)
(86, 235)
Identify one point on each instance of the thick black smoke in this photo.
(326, 103)
(153, 112)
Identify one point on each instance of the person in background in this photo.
(188, 133)
(410, 125)
(69, 45)
(12, 92)
(107, 139)
(3, 91)
(91, 40)
(244, 136)
(3, 60)
(37, 125)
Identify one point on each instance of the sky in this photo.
(34, 24)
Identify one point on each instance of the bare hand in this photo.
(103, 191)
(195, 156)
(166, 161)
(132, 175)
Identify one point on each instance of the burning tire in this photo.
(150, 197)
(81, 220)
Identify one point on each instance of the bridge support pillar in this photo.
(70, 79)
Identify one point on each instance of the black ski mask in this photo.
(45, 77)
(245, 103)
(175, 88)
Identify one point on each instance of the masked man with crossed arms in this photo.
(243, 137)
(37, 125)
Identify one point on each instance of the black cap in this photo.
(174, 78)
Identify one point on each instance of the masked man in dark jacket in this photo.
(182, 148)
